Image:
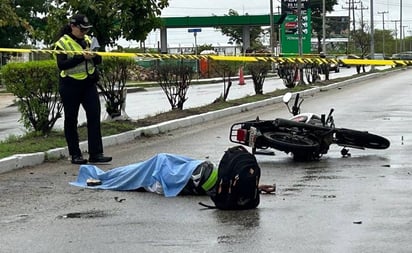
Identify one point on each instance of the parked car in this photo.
(376, 56)
(402, 56)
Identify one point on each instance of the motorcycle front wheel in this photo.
(291, 143)
(359, 139)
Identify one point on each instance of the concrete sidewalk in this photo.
(6, 99)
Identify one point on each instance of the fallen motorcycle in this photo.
(306, 136)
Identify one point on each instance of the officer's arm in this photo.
(64, 62)
(97, 59)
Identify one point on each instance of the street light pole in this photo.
(271, 28)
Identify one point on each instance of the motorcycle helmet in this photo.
(202, 181)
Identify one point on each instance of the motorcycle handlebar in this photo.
(330, 112)
(295, 108)
(296, 100)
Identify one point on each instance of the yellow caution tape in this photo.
(374, 62)
(280, 60)
(233, 58)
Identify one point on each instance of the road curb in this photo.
(19, 161)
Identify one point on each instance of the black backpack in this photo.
(238, 181)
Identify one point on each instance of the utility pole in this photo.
(362, 29)
(300, 46)
(410, 42)
(271, 29)
(400, 26)
(372, 35)
(278, 27)
(353, 13)
(383, 30)
(271, 41)
(361, 9)
(403, 41)
(350, 8)
(347, 44)
(396, 34)
(323, 26)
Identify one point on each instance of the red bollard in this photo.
(241, 77)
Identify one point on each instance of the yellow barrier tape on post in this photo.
(399, 62)
(274, 59)
(368, 62)
(300, 60)
(233, 58)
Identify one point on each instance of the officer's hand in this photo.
(88, 55)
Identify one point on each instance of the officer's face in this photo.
(78, 31)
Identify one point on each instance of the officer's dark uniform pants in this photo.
(73, 94)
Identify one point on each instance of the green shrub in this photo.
(113, 76)
(36, 85)
(227, 70)
(259, 71)
(174, 77)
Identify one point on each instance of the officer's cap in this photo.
(80, 20)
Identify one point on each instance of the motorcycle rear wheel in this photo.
(291, 143)
(354, 138)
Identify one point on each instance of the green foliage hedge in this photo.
(36, 85)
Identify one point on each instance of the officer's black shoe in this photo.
(99, 158)
(78, 159)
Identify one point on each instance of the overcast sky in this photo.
(182, 8)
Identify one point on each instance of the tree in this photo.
(8, 16)
(40, 20)
(384, 38)
(174, 78)
(204, 47)
(235, 33)
(15, 21)
(113, 19)
(259, 71)
(317, 9)
(361, 39)
(225, 69)
(112, 83)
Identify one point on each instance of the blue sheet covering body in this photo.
(172, 171)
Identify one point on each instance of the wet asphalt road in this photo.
(357, 204)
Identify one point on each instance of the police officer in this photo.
(78, 79)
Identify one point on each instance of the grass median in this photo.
(34, 142)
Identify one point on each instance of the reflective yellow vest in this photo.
(80, 71)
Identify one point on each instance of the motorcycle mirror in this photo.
(287, 97)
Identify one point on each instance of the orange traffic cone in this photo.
(241, 77)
